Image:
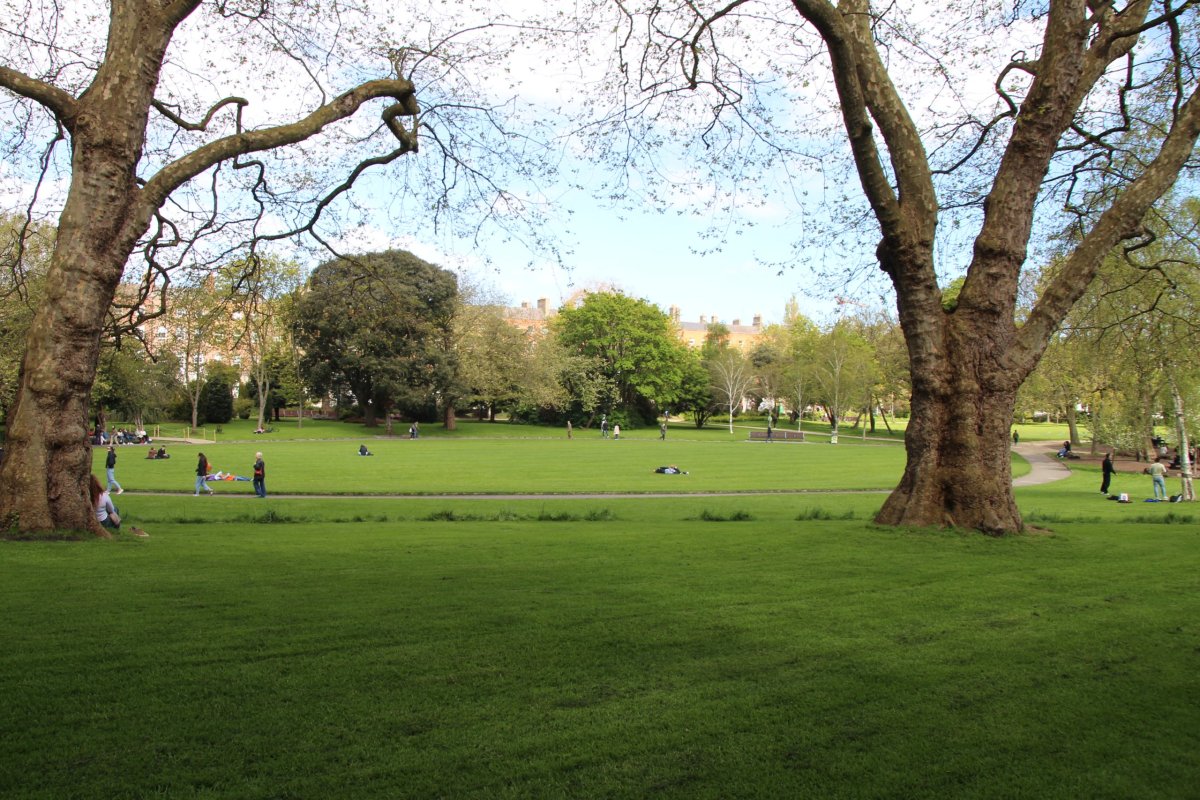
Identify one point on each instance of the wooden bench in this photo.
(777, 434)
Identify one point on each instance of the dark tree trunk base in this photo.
(959, 472)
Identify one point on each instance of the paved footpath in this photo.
(1044, 467)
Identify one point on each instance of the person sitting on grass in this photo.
(106, 512)
(363, 451)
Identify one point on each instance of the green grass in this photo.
(524, 465)
(748, 645)
(616, 648)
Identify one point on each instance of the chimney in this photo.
(758, 320)
(737, 322)
(524, 304)
(703, 320)
(542, 303)
(675, 313)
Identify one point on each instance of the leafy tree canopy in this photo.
(376, 325)
(634, 342)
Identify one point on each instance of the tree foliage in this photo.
(376, 325)
(633, 342)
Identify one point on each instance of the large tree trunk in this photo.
(48, 455)
(45, 473)
(958, 471)
(448, 416)
(48, 459)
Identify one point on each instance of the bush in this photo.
(244, 407)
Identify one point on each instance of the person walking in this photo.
(1107, 469)
(201, 474)
(662, 431)
(1016, 437)
(260, 476)
(1158, 477)
(110, 470)
(569, 429)
(604, 427)
(616, 431)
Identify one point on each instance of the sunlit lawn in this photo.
(771, 645)
(521, 465)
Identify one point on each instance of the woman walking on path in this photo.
(201, 474)
(110, 470)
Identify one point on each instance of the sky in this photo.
(649, 256)
(666, 258)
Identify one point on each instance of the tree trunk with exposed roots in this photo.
(958, 471)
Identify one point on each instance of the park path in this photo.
(1043, 467)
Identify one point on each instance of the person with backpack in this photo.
(201, 476)
(260, 476)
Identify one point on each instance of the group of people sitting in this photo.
(161, 452)
(120, 436)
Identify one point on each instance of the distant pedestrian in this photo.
(260, 476)
(1107, 469)
(201, 475)
(1158, 477)
(1016, 437)
(416, 429)
(110, 470)
(616, 431)
(569, 430)
(662, 431)
(770, 430)
(604, 427)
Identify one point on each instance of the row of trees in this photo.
(1093, 117)
(389, 333)
(1125, 358)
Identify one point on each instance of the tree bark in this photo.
(1072, 422)
(958, 471)
(45, 474)
(1183, 446)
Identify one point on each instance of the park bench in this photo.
(777, 434)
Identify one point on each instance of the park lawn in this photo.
(1078, 498)
(611, 647)
(517, 466)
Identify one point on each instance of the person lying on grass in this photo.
(670, 469)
